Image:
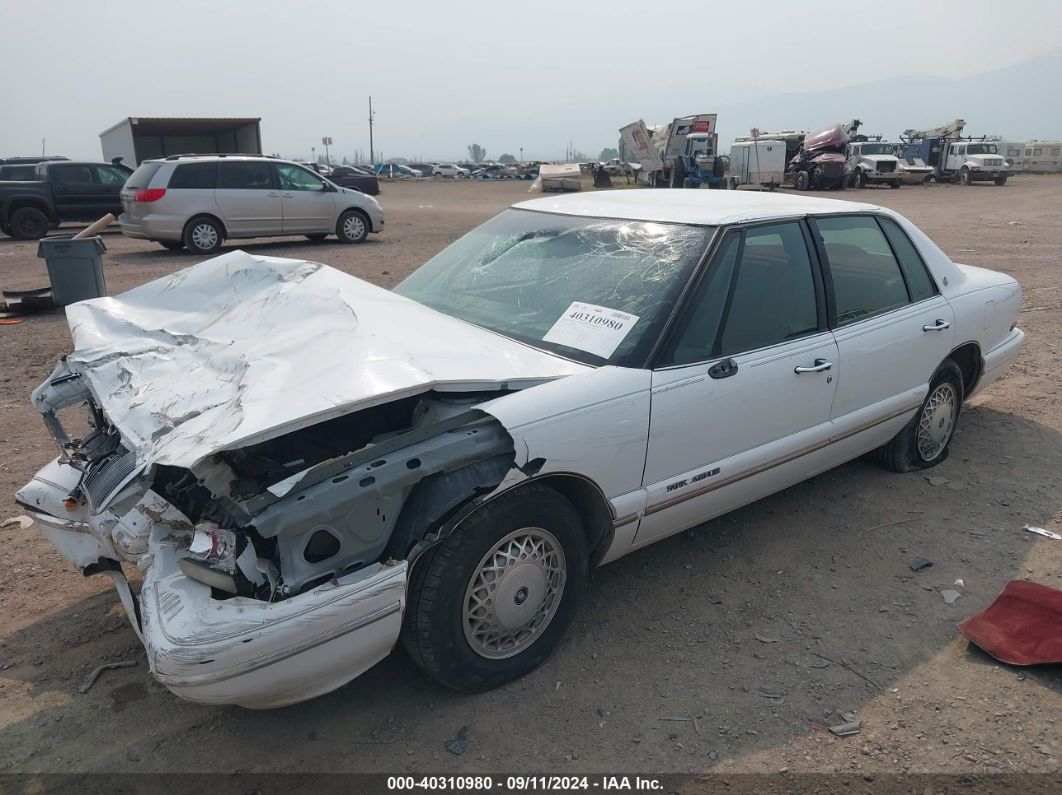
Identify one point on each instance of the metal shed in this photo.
(136, 139)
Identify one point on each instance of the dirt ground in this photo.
(727, 648)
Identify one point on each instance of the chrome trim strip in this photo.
(756, 470)
(631, 517)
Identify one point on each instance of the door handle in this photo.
(821, 365)
(287, 196)
(273, 195)
(940, 325)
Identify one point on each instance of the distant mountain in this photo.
(1017, 102)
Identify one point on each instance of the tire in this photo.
(172, 245)
(28, 223)
(317, 237)
(1001, 181)
(860, 178)
(894, 184)
(203, 235)
(803, 180)
(438, 630)
(964, 176)
(352, 227)
(6, 230)
(910, 449)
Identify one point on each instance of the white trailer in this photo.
(136, 139)
(757, 163)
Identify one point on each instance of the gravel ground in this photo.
(727, 648)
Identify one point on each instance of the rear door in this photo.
(110, 180)
(742, 392)
(77, 195)
(248, 198)
(309, 207)
(892, 326)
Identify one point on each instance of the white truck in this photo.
(954, 158)
(757, 162)
(872, 163)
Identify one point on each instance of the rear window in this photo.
(141, 178)
(194, 175)
(25, 173)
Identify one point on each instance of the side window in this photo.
(296, 178)
(866, 277)
(919, 283)
(194, 175)
(246, 175)
(696, 341)
(760, 292)
(1037, 151)
(71, 175)
(1055, 150)
(109, 175)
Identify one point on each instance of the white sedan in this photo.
(445, 463)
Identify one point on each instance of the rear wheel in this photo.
(203, 235)
(924, 441)
(28, 223)
(491, 601)
(352, 227)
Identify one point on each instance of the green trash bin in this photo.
(75, 267)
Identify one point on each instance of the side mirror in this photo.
(330, 188)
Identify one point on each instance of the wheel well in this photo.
(968, 357)
(592, 507)
(18, 204)
(224, 231)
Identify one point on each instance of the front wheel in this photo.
(1001, 181)
(352, 227)
(894, 184)
(803, 180)
(964, 177)
(860, 178)
(489, 602)
(924, 441)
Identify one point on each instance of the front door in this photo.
(248, 198)
(744, 388)
(308, 204)
(892, 326)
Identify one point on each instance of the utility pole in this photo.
(521, 154)
(372, 152)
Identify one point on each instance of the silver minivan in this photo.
(199, 201)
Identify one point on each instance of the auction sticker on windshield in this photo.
(591, 328)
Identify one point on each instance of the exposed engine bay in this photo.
(276, 518)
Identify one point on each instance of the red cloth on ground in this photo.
(1023, 626)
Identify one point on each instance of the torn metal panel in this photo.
(242, 348)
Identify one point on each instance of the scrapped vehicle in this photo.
(449, 170)
(198, 202)
(308, 468)
(356, 178)
(60, 190)
(396, 171)
(872, 162)
(819, 163)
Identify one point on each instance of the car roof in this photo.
(705, 207)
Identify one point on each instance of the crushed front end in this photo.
(274, 572)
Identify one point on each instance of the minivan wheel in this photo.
(28, 223)
(490, 601)
(924, 441)
(352, 227)
(203, 235)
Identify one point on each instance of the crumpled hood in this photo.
(240, 348)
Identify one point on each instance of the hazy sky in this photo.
(446, 74)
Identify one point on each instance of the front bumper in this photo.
(233, 651)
